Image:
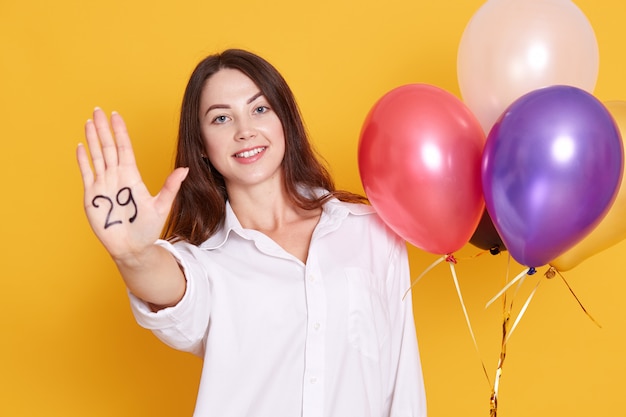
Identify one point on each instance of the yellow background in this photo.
(69, 346)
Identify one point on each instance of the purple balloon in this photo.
(551, 168)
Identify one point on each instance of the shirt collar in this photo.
(231, 223)
(334, 211)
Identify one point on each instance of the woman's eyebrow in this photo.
(216, 106)
(226, 106)
(254, 97)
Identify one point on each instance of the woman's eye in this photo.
(262, 109)
(220, 119)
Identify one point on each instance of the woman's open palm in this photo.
(121, 211)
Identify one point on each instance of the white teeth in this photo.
(248, 154)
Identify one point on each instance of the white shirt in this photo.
(281, 338)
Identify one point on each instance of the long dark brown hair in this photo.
(199, 208)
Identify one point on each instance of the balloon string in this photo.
(522, 311)
(507, 333)
(550, 274)
(494, 251)
(415, 281)
(521, 277)
(481, 253)
(506, 279)
(452, 261)
(506, 313)
(496, 382)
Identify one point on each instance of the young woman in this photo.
(290, 290)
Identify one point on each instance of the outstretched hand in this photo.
(123, 214)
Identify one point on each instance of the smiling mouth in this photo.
(252, 152)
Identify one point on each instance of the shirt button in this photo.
(316, 326)
(313, 380)
(312, 278)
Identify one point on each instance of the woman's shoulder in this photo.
(358, 208)
(337, 207)
(360, 215)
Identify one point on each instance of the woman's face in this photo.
(243, 137)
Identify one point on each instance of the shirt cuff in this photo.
(169, 316)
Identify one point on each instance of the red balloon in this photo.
(419, 157)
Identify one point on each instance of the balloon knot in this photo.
(495, 250)
(450, 258)
(532, 271)
(550, 273)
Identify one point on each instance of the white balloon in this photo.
(512, 47)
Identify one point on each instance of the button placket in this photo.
(313, 390)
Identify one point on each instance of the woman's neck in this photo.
(272, 213)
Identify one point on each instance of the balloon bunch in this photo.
(529, 141)
(553, 157)
(529, 161)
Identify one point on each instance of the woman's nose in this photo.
(245, 129)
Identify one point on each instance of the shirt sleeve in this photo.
(408, 398)
(184, 325)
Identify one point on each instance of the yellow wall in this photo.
(69, 346)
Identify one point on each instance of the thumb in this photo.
(166, 196)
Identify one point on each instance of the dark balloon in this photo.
(486, 236)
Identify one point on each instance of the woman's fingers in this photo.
(125, 152)
(166, 196)
(109, 146)
(93, 142)
(105, 136)
(83, 165)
